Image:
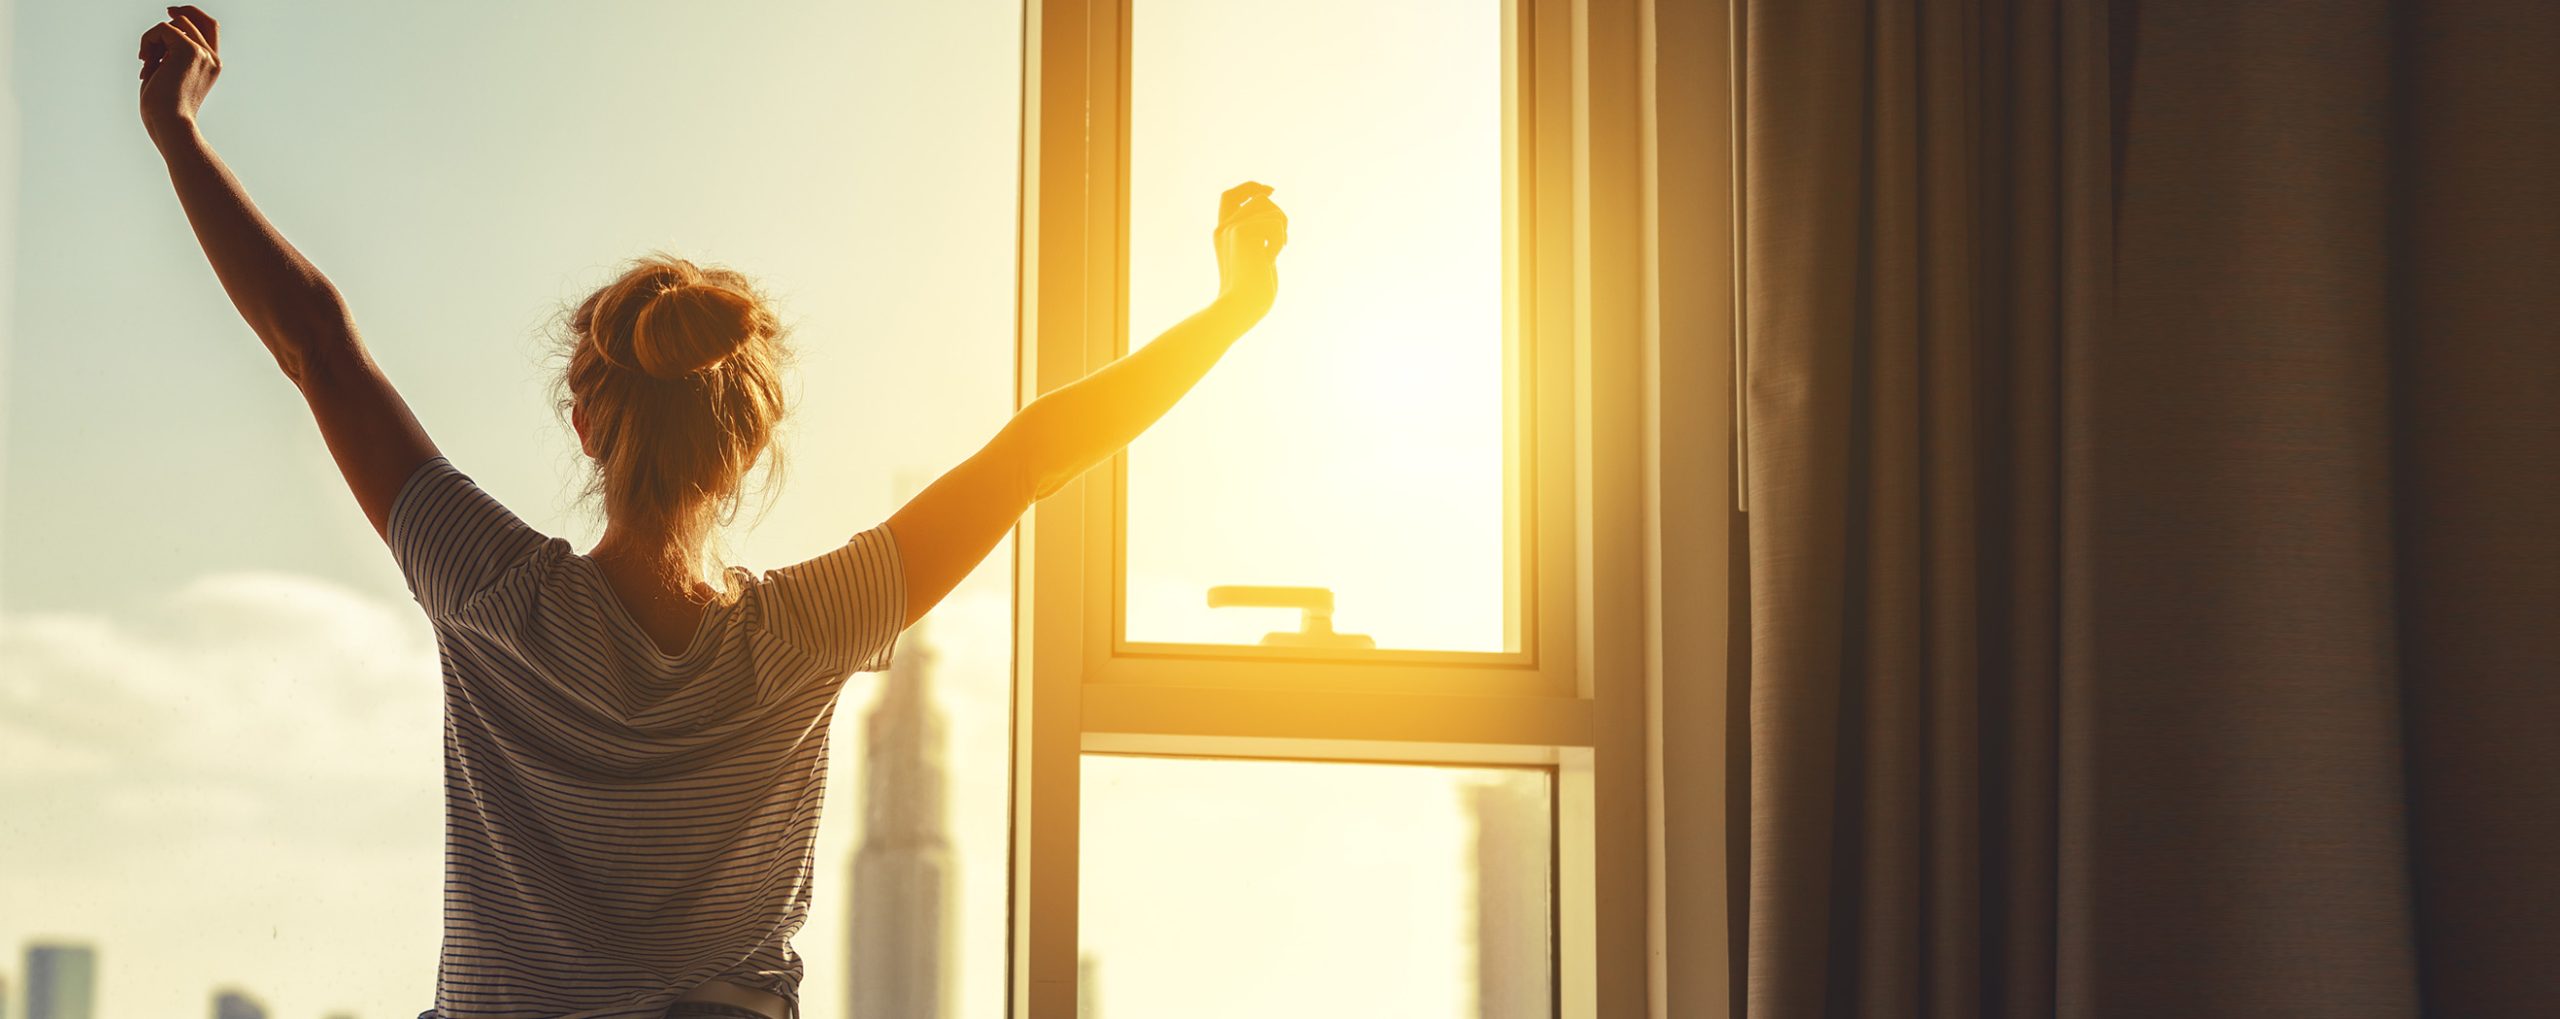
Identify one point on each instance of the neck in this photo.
(620, 542)
(627, 548)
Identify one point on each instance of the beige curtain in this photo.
(2154, 475)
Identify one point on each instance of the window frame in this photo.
(1538, 430)
(1583, 695)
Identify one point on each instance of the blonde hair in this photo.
(678, 370)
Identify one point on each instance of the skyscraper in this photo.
(1513, 855)
(1088, 987)
(231, 1004)
(902, 871)
(62, 981)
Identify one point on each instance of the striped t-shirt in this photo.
(621, 825)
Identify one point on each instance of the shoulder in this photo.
(454, 541)
(845, 605)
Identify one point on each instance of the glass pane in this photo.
(1283, 888)
(219, 707)
(1355, 442)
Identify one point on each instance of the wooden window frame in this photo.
(1610, 370)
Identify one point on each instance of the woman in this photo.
(634, 754)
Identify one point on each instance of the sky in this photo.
(218, 708)
(218, 704)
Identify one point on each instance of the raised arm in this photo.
(294, 310)
(945, 530)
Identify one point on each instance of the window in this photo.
(219, 708)
(1356, 444)
(1396, 544)
(1387, 889)
(1466, 481)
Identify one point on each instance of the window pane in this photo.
(1283, 888)
(1355, 441)
(220, 713)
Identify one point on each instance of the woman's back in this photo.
(623, 824)
(670, 618)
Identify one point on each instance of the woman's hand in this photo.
(1251, 231)
(179, 63)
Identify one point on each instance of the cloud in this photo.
(236, 781)
(241, 701)
(239, 782)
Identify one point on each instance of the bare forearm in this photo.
(950, 526)
(946, 529)
(1068, 431)
(294, 309)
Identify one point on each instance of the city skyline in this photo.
(62, 981)
(63, 984)
(233, 1003)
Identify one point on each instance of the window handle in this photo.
(1315, 614)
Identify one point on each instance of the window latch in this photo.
(1315, 614)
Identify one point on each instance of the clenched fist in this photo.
(179, 62)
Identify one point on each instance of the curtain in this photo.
(2154, 508)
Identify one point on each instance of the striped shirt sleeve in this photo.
(452, 540)
(845, 607)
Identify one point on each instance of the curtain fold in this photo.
(2476, 281)
(2155, 422)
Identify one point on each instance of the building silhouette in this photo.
(1513, 852)
(62, 982)
(902, 872)
(231, 1004)
(1088, 987)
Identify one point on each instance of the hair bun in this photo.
(692, 326)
